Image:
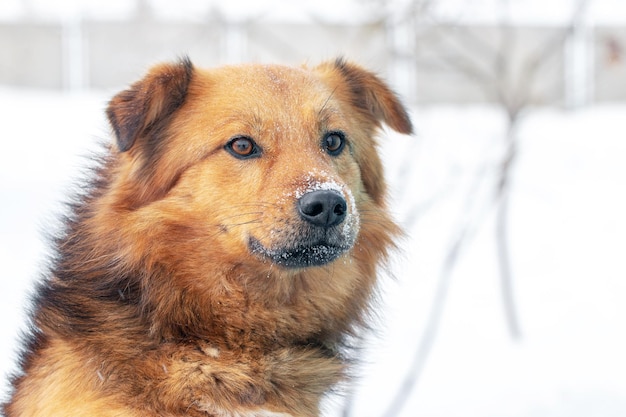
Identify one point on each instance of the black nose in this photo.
(322, 208)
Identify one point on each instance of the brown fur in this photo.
(156, 304)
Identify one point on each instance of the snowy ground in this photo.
(568, 236)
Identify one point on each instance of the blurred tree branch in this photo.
(492, 68)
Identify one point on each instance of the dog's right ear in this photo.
(134, 112)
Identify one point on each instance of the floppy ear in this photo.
(372, 96)
(136, 111)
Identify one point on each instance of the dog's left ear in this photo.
(369, 94)
(134, 112)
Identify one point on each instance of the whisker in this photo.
(235, 216)
(332, 93)
(243, 223)
(255, 204)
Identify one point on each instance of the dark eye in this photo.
(333, 143)
(243, 147)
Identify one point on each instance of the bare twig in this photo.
(489, 68)
(502, 197)
(520, 99)
(470, 224)
(543, 55)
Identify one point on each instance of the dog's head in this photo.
(255, 163)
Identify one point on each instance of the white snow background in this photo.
(567, 232)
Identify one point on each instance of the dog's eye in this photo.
(334, 143)
(243, 147)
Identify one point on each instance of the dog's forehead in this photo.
(265, 101)
(271, 83)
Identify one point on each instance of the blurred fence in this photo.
(106, 54)
(79, 54)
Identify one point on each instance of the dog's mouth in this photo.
(326, 228)
(299, 256)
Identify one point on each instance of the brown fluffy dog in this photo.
(224, 250)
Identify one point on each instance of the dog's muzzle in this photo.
(327, 230)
